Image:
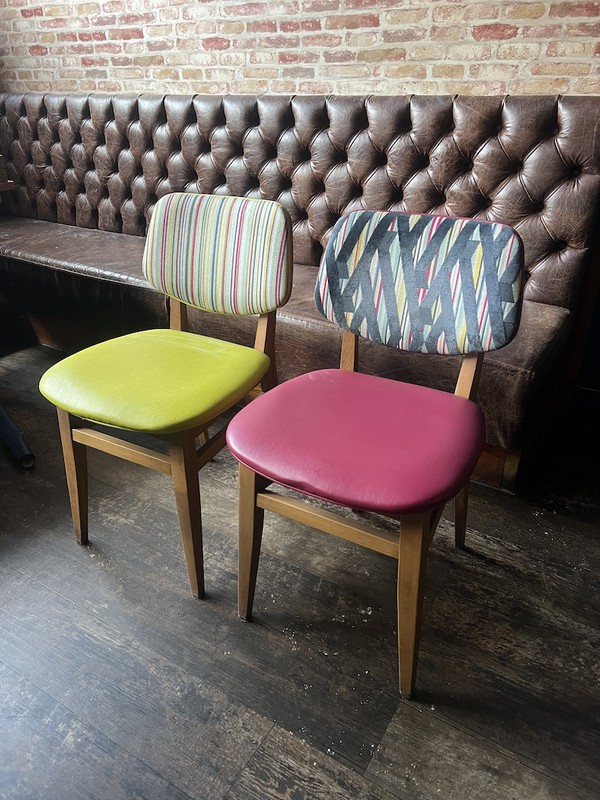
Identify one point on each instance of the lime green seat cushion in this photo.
(157, 381)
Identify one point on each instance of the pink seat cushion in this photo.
(361, 441)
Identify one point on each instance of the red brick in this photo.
(495, 32)
(339, 56)
(381, 55)
(542, 32)
(92, 36)
(126, 33)
(452, 33)
(136, 19)
(54, 22)
(94, 61)
(315, 87)
(38, 11)
(291, 26)
(352, 21)
(103, 22)
(569, 49)
(216, 43)
(314, 6)
(38, 50)
(405, 35)
(366, 4)
(584, 29)
(158, 45)
(108, 47)
(281, 41)
(263, 26)
(298, 72)
(321, 40)
(297, 57)
(121, 61)
(251, 43)
(245, 10)
(575, 9)
(81, 49)
(109, 86)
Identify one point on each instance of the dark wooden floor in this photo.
(115, 683)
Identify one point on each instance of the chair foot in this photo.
(184, 469)
(412, 563)
(250, 537)
(75, 458)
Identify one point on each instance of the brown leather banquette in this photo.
(90, 167)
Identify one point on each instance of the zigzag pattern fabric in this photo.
(228, 255)
(421, 282)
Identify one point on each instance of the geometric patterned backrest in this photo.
(228, 255)
(421, 282)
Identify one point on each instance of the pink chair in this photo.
(411, 281)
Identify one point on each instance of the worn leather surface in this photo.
(100, 162)
(97, 254)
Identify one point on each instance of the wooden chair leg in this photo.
(461, 504)
(184, 471)
(265, 342)
(75, 458)
(251, 520)
(412, 563)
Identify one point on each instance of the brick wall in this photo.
(301, 46)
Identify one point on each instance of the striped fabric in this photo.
(229, 255)
(423, 283)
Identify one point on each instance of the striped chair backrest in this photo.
(229, 255)
(424, 283)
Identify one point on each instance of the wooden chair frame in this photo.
(188, 452)
(409, 546)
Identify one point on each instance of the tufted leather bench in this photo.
(89, 169)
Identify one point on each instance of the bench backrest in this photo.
(101, 161)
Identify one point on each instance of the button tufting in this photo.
(294, 151)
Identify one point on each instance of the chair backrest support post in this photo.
(467, 384)
(178, 315)
(349, 353)
(264, 341)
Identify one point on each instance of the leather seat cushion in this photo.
(157, 381)
(361, 441)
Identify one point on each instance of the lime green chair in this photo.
(227, 255)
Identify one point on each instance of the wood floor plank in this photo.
(285, 768)
(48, 752)
(101, 670)
(422, 756)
